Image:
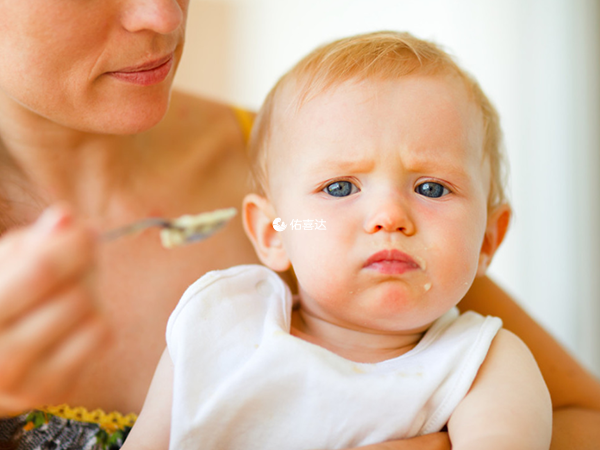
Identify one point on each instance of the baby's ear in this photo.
(258, 215)
(496, 228)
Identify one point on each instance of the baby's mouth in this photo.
(391, 262)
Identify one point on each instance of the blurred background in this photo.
(538, 61)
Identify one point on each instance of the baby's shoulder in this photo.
(508, 347)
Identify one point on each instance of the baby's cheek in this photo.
(455, 271)
(313, 244)
(319, 265)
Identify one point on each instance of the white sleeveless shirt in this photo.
(242, 382)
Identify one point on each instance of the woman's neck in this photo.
(354, 345)
(51, 162)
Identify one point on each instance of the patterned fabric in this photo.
(65, 428)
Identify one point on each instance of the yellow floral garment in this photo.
(65, 428)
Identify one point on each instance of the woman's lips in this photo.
(147, 74)
(391, 262)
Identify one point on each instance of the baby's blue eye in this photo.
(431, 190)
(340, 189)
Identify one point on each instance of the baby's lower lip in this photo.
(146, 77)
(391, 267)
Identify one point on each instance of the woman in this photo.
(89, 128)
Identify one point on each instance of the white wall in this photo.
(538, 60)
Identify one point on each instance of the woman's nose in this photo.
(160, 16)
(390, 215)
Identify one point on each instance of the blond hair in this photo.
(384, 55)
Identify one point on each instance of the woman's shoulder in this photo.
(200, 143)
(192, 119)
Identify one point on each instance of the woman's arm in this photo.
(575, 392)
(433, 441)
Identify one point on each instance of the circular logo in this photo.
(279, 226)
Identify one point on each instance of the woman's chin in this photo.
(129, 118)
(134, 123)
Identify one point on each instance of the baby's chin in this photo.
(385, 308)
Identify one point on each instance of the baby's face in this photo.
(396, 171)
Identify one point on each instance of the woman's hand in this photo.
(49, 323)
(433, 441)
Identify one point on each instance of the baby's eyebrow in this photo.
(424, 166)
(437, 167)
(438, 162)
(347, 166)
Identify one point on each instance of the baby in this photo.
(388, 155)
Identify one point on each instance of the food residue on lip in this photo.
(421, 262)
(427, 286)
(190, 228)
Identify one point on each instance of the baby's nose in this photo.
(390, 215)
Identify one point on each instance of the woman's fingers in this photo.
(52, 377)
(29, 338)
(57, 372)
(49, 323)
(41, 259)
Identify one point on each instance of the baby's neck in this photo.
(357, 346)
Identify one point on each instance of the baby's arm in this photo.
(575, 392)
(508, 406)
(152, 428)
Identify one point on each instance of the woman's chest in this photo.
(138, 285)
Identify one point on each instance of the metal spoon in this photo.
(180, 231)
